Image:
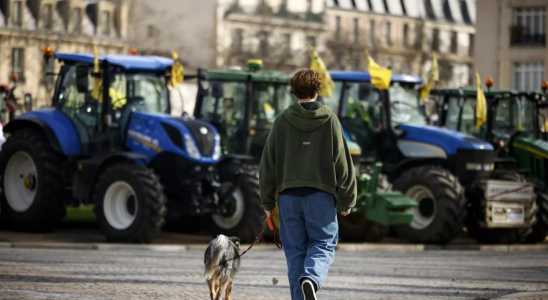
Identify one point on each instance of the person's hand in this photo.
(269, 213)
(346, 213)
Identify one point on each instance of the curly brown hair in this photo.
(305, 84)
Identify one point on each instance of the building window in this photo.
(77, 20)
(429, 10)
(337, 27)
(529, 26)
(105, 23)
(308, 6)
(528, 76)
(287, 43)
(447, 11)
(371, 33)
(356, 30)
(47, 70)
(311, 40)
(237, 39)
(18, 62)
(406, 35)
(435, 40)
(454, 42)
(150, 31)
(465, 12)
(403, 7)
(17, 20)
(47, 17)
(407, 67)
(389, 63)
(471, 44)
(388, 34)
(263, 43)
(358, 63)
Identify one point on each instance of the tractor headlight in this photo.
(479, 167)
(191, 147)
(217, 151)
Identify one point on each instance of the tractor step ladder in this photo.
(386, 208)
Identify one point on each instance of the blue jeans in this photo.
(309, 232)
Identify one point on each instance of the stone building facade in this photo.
(403, 34)
(28, 26)
(225, 33)
(511, 44)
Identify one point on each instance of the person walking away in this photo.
(306, 160)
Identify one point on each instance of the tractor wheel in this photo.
(497, 235)
(540, 229)
(441, 207)
(245, 217)
(129, 203)
(356, 228)
(31, 182)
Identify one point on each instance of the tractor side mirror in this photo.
(82, 81)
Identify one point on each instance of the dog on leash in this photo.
(222, 260)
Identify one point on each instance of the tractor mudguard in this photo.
(57, 127)
(88, 171)
(19, 124)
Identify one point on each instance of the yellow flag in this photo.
(433, 77)
(176, 71)
(380, 77)
(317, 64)
(96, 92)
(481, 104)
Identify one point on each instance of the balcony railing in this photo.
(519, 37)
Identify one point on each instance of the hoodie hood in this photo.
(307, 120)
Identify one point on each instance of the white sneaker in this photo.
(308, 290)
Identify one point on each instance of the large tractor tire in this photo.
(245, 216)
(497, 235)
(540, 229)
(356, 228)
(32, 198)
(441, 205)
(129, 203)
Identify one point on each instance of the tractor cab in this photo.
(242, 105)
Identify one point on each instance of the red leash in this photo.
(272, 227)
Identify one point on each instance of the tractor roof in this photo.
(260, 76)
(127, 62)
(364, 76)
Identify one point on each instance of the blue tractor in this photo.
(431, 165)
(109, 140)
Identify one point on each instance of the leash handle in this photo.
(272, 226)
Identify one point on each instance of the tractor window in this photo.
(335, 99)
(452, 116)
(269, 99)
(148, 89)
(405, 105)
(469, 118)
(224, 106)
(504, 119)
(82, 108)
(524, 115)
(363, 102)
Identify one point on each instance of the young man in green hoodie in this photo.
(306, 160)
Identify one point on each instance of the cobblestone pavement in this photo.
(80, 274)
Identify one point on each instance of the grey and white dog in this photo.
(222, 260)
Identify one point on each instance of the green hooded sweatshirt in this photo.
(307, 148)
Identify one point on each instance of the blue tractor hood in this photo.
(447, 139)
